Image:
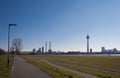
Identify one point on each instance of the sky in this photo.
(65, 23)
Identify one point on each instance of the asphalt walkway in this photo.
(23, 69)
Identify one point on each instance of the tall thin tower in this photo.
(87, 37)
(50, 45)
(46, 47)
(50, 50)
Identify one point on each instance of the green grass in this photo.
(4, 71)
(99, 62)
(90, 71)
(53, 71)
(102, 62)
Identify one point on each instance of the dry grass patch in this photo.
(53, 71)
(111, 63)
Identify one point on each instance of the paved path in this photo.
(22, 69)
(85, 75)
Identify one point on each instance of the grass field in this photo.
(53, 71)
(4, 71)
(87, 64)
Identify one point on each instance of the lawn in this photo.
(82, 63)
(53, 71)
(4, 71)
(87, 64)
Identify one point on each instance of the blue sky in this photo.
(63, 22)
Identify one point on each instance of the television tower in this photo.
(87, 37)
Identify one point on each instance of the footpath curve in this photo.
(23, 69)
(85, 75)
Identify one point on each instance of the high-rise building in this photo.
(34, 50)
(42, 49)
(102, 49)
(87, 37)
(91, 50)
(46, 47)
(50, 50)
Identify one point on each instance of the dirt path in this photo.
(22, 69)
(85, 75)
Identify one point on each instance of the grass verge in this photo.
(4, 71)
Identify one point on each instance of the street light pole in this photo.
(8, 60)
(8, 45)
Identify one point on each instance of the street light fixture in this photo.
(9, 42)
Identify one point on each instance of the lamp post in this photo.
(8, 61)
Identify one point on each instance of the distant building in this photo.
(102, 49)
(50, 50)
(42, 49)
(115, 50)
(110, 51)
(34, 50)
(46, 47)
(91, 50)
(39, 50)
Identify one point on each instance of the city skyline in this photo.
(63, 22)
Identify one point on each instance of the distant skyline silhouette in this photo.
(63, 22)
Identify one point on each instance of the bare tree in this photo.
(17, 45)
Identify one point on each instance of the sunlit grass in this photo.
(100, 62)
(105, 62)
(53, 71)
(4, 71)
